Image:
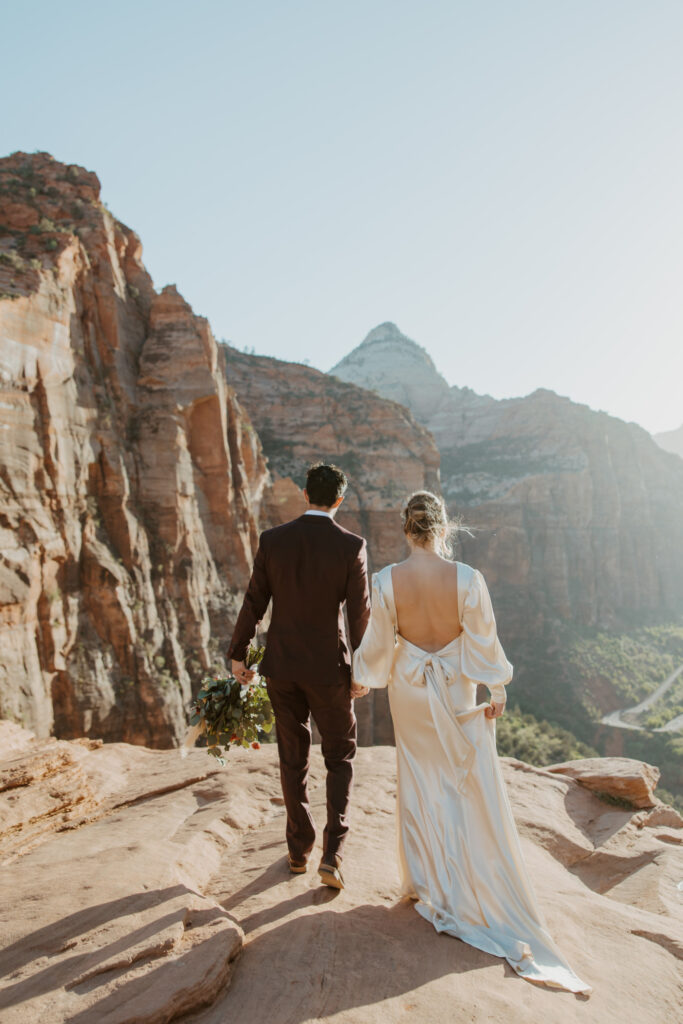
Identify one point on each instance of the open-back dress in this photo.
(459, 850)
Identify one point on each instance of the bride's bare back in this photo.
(426, 597)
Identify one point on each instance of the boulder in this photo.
(661, 816)
(620, 777)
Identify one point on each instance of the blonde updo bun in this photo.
(426, 522)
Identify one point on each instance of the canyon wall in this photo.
(131, 480)
(575, 514)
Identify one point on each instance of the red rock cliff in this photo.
(131, 479)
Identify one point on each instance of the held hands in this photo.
(495, 709)
(245, 675)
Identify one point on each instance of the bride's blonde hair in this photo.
(425, 521)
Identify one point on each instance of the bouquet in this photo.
(230, 714)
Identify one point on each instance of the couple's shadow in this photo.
(326, 958)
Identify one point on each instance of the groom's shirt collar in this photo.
(317, 512)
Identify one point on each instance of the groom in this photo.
(310, 567)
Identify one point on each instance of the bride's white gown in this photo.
(459, 851)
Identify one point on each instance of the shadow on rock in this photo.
(326, 962)
(59, 937)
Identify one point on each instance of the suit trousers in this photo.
(332, 708)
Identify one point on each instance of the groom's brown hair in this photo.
(325, 484)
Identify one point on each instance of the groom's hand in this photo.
(358, 691)
(241, 672)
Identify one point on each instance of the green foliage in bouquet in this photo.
(230, 714)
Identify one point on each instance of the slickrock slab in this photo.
(169, 898)
(107, 853)
(622, 777)
(365, 957)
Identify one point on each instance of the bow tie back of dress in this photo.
(450, 674)
(437, 670)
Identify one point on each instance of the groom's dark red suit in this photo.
(309, 568)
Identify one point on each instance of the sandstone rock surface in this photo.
(102, 914)
(137, 907)
(132, 481)
(620, 777)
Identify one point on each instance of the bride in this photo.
(431, 638)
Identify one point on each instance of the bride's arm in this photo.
(373, 660)
(483, 658)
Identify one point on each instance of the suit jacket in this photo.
(309, 567)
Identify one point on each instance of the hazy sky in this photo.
(502, 179)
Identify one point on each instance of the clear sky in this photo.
(501, 178)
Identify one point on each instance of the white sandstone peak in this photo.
(392, 364)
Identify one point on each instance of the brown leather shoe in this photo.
(330, 874)
(297, 867)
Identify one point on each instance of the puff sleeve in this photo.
(483, 658)
(373, 660)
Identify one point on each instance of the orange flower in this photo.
(256, 746)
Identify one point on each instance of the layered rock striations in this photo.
(575, 514)
(131, 479)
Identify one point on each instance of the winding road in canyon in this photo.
(615, 718)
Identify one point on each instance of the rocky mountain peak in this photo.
(389, 336)
(388, 331)
(392, 364)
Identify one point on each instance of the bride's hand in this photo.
(358, 691)
(495, 709)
